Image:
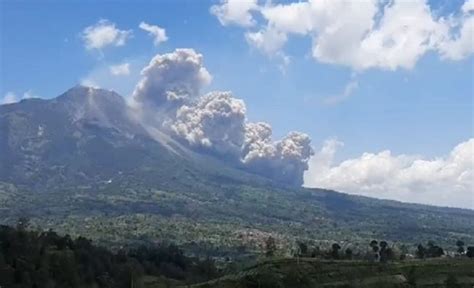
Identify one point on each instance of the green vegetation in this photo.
(109, 181)
(118, 187)
(226, 218)
(45, 259)
(314, 273)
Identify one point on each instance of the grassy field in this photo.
(309, 272)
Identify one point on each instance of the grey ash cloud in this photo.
(285, 160)
(216, 123)
(172, 79)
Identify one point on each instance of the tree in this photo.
(270, 247)
(303, 248)
(433, 250)
(437, 251)
(460, 245)
(348, 254)
(335, 251)
(374, 245)
(41, 260)
(386, 253)
(470, 252)
(375, 248)
(420, 252)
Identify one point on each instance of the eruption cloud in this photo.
(172, 79)
(216, 123)
(285, 160)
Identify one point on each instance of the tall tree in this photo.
(420, 251)
(335, 251)
(460, 245)
(470, 252)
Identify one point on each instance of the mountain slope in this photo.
(82, 137)
(81, 163)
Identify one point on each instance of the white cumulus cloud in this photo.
(406, 32)
(104, 33)
(365, 34)
(468, 6)
(460, 45)
(158, 33)
(445, 181)
(236, 12)
(268, 40)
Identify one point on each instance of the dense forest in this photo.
(44, 259)
(47, 260)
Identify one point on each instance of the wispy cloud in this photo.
(158, 33)
(9, 98)
(237, 12)
(120, 77)
(349, 89)
(104, 33)
(12, 97)
(120, 69)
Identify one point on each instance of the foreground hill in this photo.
(30, 258)
(312, 273)
(82, 164)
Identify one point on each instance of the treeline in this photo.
(376, 251)
(47, 260)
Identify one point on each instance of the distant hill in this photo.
(82, 163)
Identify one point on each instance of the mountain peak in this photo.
(80, 92)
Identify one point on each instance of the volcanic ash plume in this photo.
(168, 98)
(284, 160)
(172, 79)
(216, 123)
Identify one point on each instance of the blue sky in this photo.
(423, 110)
